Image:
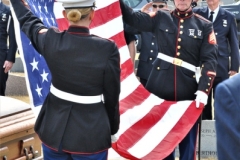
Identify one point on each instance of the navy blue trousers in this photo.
(207, 111)
(50, 154)
(3, 81)
(143, 81)
(187, 146)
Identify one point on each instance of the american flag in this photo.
(150, 127)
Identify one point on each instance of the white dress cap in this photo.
(77, 3)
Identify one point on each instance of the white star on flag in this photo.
(44, 76)
(46, 9)
(35, 8)
(39, 8)
(34, 65)
(38, 90)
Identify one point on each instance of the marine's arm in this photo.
(31, 25)
(111, 89)
(208, 58)
(139, 20)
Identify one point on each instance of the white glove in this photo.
(201, 98)
(113, 138)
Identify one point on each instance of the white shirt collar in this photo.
(215, 13)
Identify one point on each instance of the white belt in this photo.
(181, 63)
(75, 98)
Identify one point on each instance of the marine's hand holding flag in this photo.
(201, 98)
(150, 127)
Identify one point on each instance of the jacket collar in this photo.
(183, 14)
(205, 11)
(78, 30)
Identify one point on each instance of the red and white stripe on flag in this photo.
(150, 127)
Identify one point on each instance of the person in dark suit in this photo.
(226, 110)
(186, 42)
(225, 29)
(149, 48)
(74, 121)
(7, 54)
(148, 54)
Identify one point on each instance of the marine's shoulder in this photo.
(201, 18)
(102, 39)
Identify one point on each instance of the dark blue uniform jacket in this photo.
(227, 109)
(226, 33)
(80, 64)
(186, 36)
(6, 31)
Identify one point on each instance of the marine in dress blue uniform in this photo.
(184, 39)
(148, 54)
(227, 109)
(7, 54)
(149, 48)
(225, 30)
(74, 122)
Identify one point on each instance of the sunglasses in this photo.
(159, 6)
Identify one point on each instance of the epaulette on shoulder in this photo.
(202, 18)
(103, 38)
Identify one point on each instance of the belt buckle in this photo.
(177, 61)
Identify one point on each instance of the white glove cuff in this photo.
(201, 97)
(113, 138)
